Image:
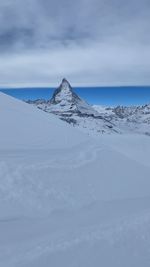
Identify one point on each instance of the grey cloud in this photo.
(111, 37)
(44, 21)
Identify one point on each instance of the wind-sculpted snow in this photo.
(69, 200)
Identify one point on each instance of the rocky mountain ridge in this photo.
(128, 119)
(66, 104)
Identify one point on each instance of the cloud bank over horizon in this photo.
(91, 42)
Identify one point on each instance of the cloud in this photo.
(88, 41)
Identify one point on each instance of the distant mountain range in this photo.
(134, 119)
(68, 106)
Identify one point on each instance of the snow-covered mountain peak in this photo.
(64, 94)
(66, 104)
(65, 100)
(65, 85)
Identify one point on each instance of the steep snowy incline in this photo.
(23, 126)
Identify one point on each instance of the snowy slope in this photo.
(67, 200)
(22, 126)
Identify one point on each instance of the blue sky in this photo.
(111, 96)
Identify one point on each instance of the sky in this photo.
(90, 42)
(106, 96)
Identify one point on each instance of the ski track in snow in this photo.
(25, 176)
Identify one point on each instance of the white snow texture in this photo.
(67, 199)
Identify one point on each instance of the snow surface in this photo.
(22, 126)
(67, 199)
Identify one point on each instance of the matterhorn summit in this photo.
(69, 107)
(63, 94)
(66, 100)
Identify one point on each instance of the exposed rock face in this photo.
(65, 100)
(64, 94)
